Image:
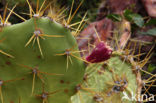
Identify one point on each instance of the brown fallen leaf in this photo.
(104, 29)
(150, 6)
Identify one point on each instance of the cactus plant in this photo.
(113, 75)
(39, 61)
(106, 82)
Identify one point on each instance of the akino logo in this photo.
(135, 97)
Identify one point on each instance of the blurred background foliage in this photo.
(89, 6)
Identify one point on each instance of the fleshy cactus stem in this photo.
(100, 53)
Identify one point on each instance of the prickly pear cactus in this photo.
(108, 82)
(40, 61)
(113, 76)
(34, 62)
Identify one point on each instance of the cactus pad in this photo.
(39, 62)
(106, 82)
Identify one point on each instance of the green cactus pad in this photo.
(106, 82)
(22, 67)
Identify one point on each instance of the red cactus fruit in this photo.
(100, 53)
